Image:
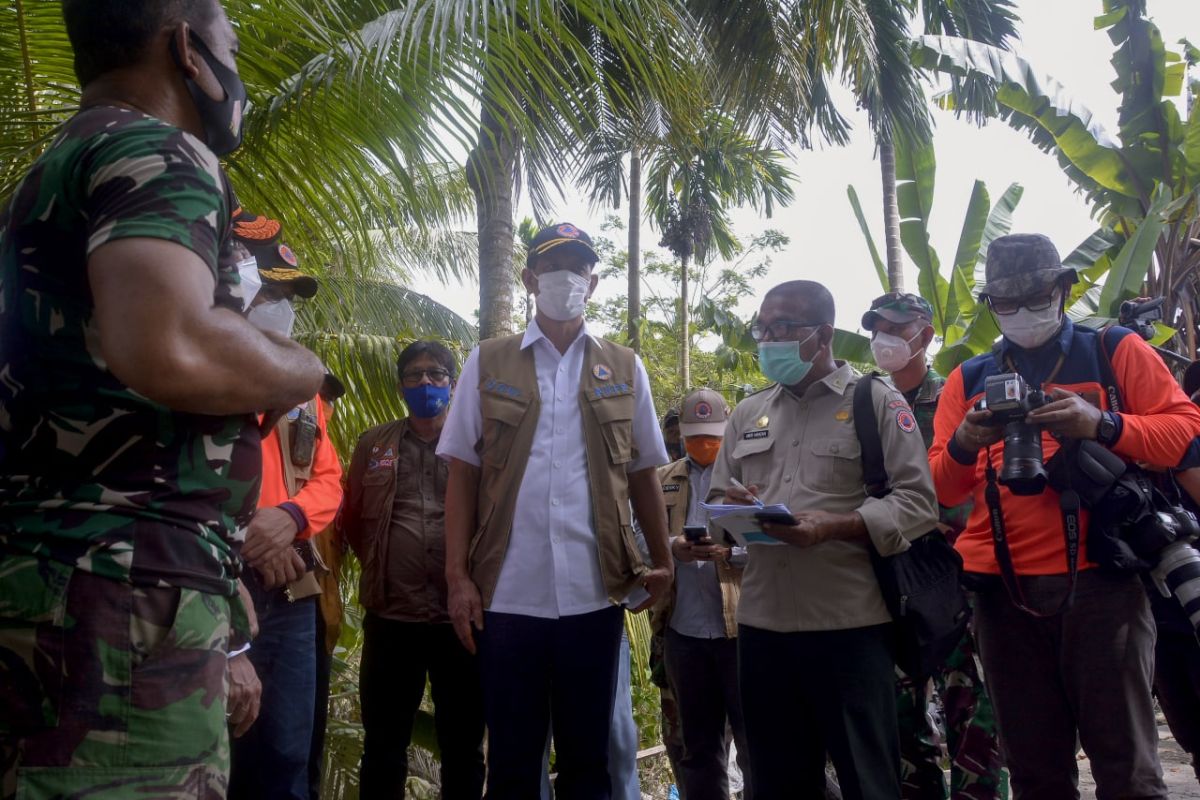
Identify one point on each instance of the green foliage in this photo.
(1143, 184)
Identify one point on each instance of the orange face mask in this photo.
(702, 449)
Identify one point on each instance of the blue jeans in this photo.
(622, 739)
(271, 761)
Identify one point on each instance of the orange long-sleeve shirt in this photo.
(1158, 425)
(321, 494)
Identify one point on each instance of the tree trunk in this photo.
(491, 175)
(685, 339)
(891, 216)
(635, 250)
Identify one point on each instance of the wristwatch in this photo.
(1106, 431)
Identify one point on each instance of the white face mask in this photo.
(891, 352)
(277, 316)
(562, 295)
(251, 280)
(1030, 329)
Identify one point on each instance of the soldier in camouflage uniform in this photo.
(128, 448)
(899, 324)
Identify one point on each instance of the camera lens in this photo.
(1178, 569)
(1023, 472)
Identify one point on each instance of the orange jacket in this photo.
(1158, 425)
(321, 494)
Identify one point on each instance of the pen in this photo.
(738, 485)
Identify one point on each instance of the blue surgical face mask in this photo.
(427, 401)
(781, 361)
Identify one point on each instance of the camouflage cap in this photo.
(1022, 264)
(897, 308)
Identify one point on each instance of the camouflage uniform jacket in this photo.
(93, 474)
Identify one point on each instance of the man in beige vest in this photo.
(697, 621)
(551, 437)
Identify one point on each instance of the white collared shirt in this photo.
(552, 566)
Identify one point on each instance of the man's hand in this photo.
(704, 550)
(974, 433)
(1067, 415)
(281, 570)
(656, 581)
(271, 531)
(736, 496)
(466, 610)
(248, 604)
(814, 527)
(245, 694)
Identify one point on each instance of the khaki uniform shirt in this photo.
(803, 452)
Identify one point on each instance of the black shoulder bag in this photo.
(922, 586)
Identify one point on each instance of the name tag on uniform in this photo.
(756, 434)
(612, 390)
(498, 387)
(670, 487)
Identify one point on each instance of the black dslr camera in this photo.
(1163, 539)
(1010, 398)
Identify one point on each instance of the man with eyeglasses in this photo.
(815, 664)
(394, 519)
(1068, 651)
(552, 442)
(901, 331)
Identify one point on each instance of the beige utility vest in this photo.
(510, 405)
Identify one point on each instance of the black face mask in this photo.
(222, 119)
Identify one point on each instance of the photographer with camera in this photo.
(1067, 649)
(300, 494)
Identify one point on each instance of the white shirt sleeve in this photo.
(647, 437)
(464, 425)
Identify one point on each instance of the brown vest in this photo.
(510, 405)
(676, 487)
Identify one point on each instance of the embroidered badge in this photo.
(756, 434)
(763, 421)
(389, 453)
(287, 255)
(703, 410)
(374, 449)
(905, 421)
(568, 230)
(670, 487)
(386, 463)
(897, 404)
(842, 415)
(602, 372)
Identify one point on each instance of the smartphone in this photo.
(778, 518)
(695, 533)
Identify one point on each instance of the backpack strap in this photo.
(866, 426)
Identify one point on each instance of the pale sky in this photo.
(1057, 37)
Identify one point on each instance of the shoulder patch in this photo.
(905, 421)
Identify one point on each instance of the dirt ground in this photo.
(1177, 770)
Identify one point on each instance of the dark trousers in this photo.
(805, 693)
(396, 658)
(540, 670)
(271, 760)
(1081, 676)
(1177, 684)
(316, 752)
(703, 675)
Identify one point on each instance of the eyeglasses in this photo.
(1004, 306)
(780, 330)
(413, 377)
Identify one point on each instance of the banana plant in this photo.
(1142, 183)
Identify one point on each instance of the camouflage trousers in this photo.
(976, 765)
(672, 732)
(109, 691)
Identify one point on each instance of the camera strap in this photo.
(1068, 503)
